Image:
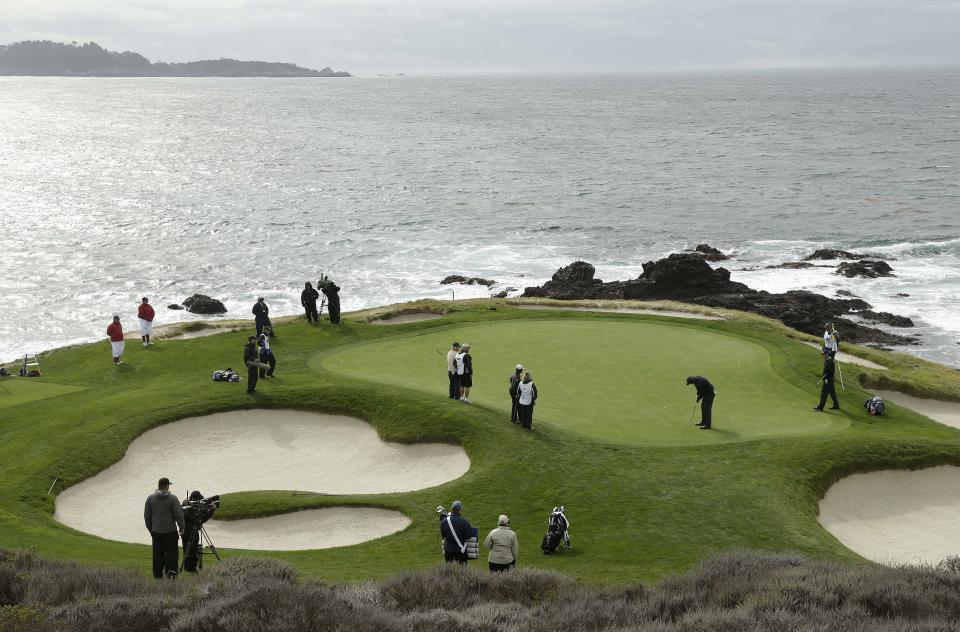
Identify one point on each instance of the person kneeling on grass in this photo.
(503, 546)
(706, 393)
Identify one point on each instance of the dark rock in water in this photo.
(203, 304)
(512, 289)
(886, 318)
(901, 295)
(791, 265)
(174, 306)
(867, 269)
(829, 253)
(502, 294)
(576, 281)
(456, 278)
(710, 253)
(681, 276)
(687, 277)
(845, 293)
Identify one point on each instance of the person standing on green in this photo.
(828, 387)
(515, 380)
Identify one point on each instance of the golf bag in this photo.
(226, 375)
(557, 532)
(874, 406)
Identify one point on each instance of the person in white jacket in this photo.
(526, 398)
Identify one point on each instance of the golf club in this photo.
(842, 387)
(695, 404)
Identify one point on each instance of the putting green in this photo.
(16, 391)
(620, 381)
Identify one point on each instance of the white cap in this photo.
(519, 367)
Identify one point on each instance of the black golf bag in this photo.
(874, 406)
(557, 532)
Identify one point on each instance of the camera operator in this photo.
(196, 511)
(163, 517)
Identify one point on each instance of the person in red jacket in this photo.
(115, 332)
(145, 313)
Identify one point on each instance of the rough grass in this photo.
(732, 592)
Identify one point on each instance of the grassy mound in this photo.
(647, 496)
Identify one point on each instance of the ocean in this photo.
(113, 189)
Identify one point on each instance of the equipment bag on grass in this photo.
(874, 406)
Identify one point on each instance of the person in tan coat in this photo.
(503, 546)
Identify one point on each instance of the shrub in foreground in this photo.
(729, 593)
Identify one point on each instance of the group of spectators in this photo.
(523, 391)
(457, 533)
(145, 314)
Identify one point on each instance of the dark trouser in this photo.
(166, 554)
(253, 374)
(261, 323)
(514, 411)
(333, 308)
(270, 360)
(454, 384)
(525, 415)
(311, 310)
(456, 556)
(828, 389)
(706, 411)
(191, 551)
(499, 568)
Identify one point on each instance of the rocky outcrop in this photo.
(174, 306)
(867, 269)
(830, 253)
(687, 277)
(456, 278)
(680, 276)
(203, 304)
(793, 265)
(576, 281)
(709, 253)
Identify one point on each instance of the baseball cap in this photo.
(164, 482)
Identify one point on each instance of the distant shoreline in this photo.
(56, 59)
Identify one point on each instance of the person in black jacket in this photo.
(331, 291)
(252, 359)
(706, 394)
(261, 315)
(514, 383)
(308, 298)
(454, 528)
(828, 387)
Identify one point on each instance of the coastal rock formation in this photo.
(203, 304)
(576, 281)
(867, 269)
(793, 265)
(681, 276)
(687, 277)
(457, 278)
(174, 306)
(830, 253)
(710, 253)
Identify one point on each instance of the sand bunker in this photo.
(262, 450)
(947, 413)
(850, 359)
(896, 516)
(625, 310)
(406, 318)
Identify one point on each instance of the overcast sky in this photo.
(465, 36)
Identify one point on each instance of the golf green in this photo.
(16, 391)
(619, 381)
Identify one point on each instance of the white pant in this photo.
(117, 348)
(146, 326)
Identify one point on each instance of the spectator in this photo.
(503, 546)
(115, 332)
(146, 314)
(308, 298)
(455, 531)
(526, 398)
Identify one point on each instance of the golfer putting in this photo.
(705, 394)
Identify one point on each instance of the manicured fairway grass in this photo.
(16, 391)
(613, 380)
(647, 495)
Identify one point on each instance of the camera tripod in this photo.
(203, 539)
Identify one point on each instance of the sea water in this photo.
(113, 189)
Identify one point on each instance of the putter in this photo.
(695, 404)
(842, 387)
